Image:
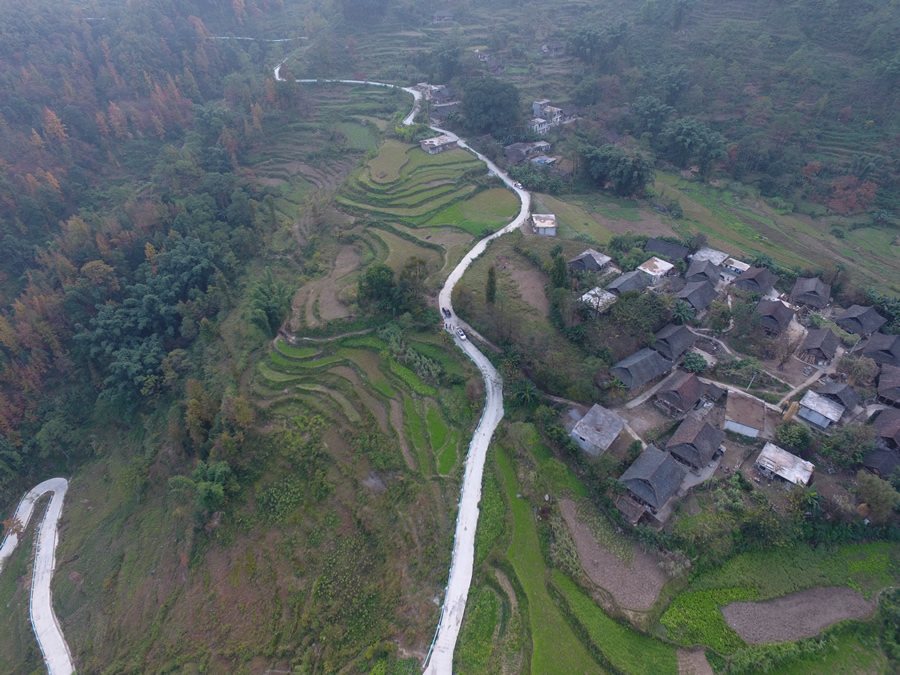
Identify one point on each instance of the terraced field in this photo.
(356, 383)
(406, 186)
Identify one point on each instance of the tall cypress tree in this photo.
(490, 291)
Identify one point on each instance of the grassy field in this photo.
(556, 648)
(626, 650)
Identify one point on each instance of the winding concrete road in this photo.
(440, 657)
(46, 627)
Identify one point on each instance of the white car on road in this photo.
(461, 333)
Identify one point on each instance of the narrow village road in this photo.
(46, 627)
(440, 657)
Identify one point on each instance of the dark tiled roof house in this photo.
(819, 346)
(860, 320)
(630, 281)
(673, 341)
(889, 385)
(654, 477)
(887, 426)
(703, 270)
(775, 316)
(841, 393)
(589, 261)
(695, 442)
(883, 349)
(698, 294)
(667, 249)
(681, 393)
(640, 368)
(756, 280)
(811, 292)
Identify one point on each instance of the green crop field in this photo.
(556, 648)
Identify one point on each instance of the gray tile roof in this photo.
(673, 341)
(883, 348)
(668, 249)
(654, 477)
(860, 319)
(757, 280)
(703, 270)
(641, 368)
(776, 316)
(589, 261)
(887, 425)
(842, 393)
(682, 391)
(889, 383)
(630, 281)
(813, 292)
(695, 441)
(698, 294)
(822, 341)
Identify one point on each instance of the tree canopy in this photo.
(491, 106)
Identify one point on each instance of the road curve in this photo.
(49, 635)
(440, 657)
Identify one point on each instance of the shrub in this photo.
(694, 363)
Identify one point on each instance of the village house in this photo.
(775, 316)
(516, 153)
(698, 294)
(860, 320)
(440, 114)
(666, 248)
(672, 341)
(715, 256)
(745, 415)
(656, 269)
(640, 368)
(630, 281)
(653, 478)
(882, 462)
(683, 392)
(442, 16)
(819, 346)
(842, 393)
(540, 126)
(756, 280)
(884, 349)
(553, 48)
(544, 224)
(442, 95)
(820, 411)
(889, 386)
(811, 293)
(774, 461)
(438, 144)
(589, 261)
(544, 110)
(703, 270)
(732, 268)
(887, 426)
(598, 299)
(597, 430)
(695, 442)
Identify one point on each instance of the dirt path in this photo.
(633, 587)
(693, 662)
(795, 616)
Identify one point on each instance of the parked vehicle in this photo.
(461, 333)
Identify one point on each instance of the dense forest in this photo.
(124, 211)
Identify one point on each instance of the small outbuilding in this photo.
(640, 368)
(597, 430)
(544, 224)
(820, 411)
(774, 461)
(860, 320)
(598, 299)
(733, 267)
(819, 346)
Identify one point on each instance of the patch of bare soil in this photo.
(645, 417)
(651, 224)
(693, 662)
(633, 587)
(530, 283)
(795, 616)
(323, 293)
